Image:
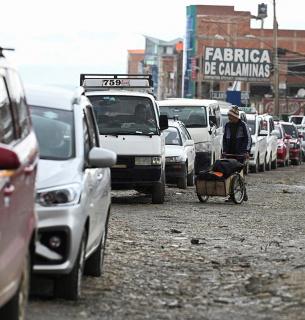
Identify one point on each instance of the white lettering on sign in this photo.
(242, 63)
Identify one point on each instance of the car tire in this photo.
(94, 264)
(255, 168)
(15, 308)
(158, 192)
(274, 164)
(300, 158)
(182, 181)
(191, 179)
(268, 164)
(70, 286)
(287, 161)
(262, 167)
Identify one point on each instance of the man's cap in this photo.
(234, 112)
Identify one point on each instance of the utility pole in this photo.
(275, 66)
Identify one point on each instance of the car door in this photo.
(190, 150)
(98, 184)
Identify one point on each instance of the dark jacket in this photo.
(243, 138)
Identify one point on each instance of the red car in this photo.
(283, 146)
(18, 166)
(295, 153)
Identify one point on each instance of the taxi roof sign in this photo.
(139, 82)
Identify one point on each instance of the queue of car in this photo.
(56, 175)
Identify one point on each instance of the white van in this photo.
(118, 100)
(204, 123)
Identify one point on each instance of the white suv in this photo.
(258, 153)
(73, 188)
(271, 160)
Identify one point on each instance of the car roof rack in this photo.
(1, 51)
(104, 82)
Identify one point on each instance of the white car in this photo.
(271, 159)
(258, 153)
(179, 155)
(73, 188)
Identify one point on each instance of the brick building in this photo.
(223, 27)
(135, 61)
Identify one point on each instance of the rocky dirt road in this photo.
(190, 260)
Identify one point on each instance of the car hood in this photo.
(54, 173)
(172, 151)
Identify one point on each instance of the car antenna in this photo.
(1, 49)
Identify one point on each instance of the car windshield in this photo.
(279, 132)
(124, 114)
(54, 131)
(252, 126)
(296, 120)
(172, 136)
(191, 116)
(225, 119)
(290, 130)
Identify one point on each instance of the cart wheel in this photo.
(237, 189)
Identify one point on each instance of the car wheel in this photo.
(70, 286)
(287, 161)
(158, 192)
(268, 164)
(94, 264)
(274, 163)
(191, 179)
(182, 182)
(15, 308)
(262, 167)
(254, 169)
(300, 158)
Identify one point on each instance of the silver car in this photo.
(73, 188)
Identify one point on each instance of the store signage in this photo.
(238, 64)
(194, 72)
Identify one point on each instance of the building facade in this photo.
(223, 53)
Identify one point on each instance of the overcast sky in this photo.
(57, 40)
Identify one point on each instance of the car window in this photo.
(92, 127)
(187, 134)
(252, 126)
(54, 130)
(279, 132)
(7, 132)
(18, 95)
(172, 136)
(290, 130)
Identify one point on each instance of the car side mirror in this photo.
(274, 133)
(301, 135)
(163, 121)
(189, 143)
(212, 121)
(288, 136)
(9, 159)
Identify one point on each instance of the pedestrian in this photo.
(236, 139)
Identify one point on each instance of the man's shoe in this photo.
(245, 197)
(229, 200)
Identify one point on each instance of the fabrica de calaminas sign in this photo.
(239, 64)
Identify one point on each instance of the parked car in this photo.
(283, 146)
(299, 120)
(179, 155)
(203, 120)
(18, 167)
(73, 188)
(271, 157)
(295, 153)
(302, 131)
(258, 153)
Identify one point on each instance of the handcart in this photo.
(233, 185)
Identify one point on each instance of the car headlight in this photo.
(59, 196)
(280, 146)
(174, 159)
(203, 146)
(148, 161)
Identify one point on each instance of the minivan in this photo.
(203, 120)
